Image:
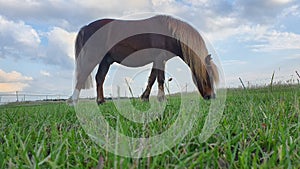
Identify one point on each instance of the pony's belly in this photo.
(144, 57)
(136, 61)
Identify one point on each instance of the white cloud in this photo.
(221, 28)
(17, 38)
(45, 73)
(170, 7)
(12, 87)
(178, 69)
(62, 40)
(262, 12)
(197, 2)
(292, 10)
(60, 48)
(13, 77)
(71, 13)
(233, 62)
(13, 81)
(20, 40)
(281, 1)
(281, 41)
(293, 56)
(269, 40)
(113, 4)
(260, 37)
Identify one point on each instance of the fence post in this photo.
(186, 87)
(242, 83)
(17, 95)
(118, 92)
(298, 74)
(271, 84)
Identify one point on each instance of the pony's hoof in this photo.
(161, 98)
(100, 102)
(144, 99)
(71, 102)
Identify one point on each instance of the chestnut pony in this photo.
(135, 43)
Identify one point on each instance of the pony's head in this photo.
(195, 55)
(206, 77)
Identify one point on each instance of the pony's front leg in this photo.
(100, 97)
(100, 77)
(73, 100)
(161, 80)
(151, 80)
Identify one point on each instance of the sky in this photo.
(251, 39)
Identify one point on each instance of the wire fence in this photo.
(9, 97)
(244, 82)
(238, 82)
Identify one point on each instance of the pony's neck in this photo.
(197, 66)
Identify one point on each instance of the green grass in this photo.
(260, 128)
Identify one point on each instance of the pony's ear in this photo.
(208, 59)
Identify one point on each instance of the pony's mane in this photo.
(193, 47)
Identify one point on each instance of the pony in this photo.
(135, 43)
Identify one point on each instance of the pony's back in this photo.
(86, 32)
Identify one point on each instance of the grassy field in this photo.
(260, 128)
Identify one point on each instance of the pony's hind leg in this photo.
(100, 77)
(151, 80)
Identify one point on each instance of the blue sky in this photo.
(252, 38)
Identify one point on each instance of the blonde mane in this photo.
(193, 47)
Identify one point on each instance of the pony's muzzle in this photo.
(208, 97)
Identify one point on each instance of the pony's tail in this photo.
(79, 43)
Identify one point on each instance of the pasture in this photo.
(260, 128)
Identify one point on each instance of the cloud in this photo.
(12, 87)
(178, 69)
(17, 39)
(281, 2)
(13, 81)
(294, 10)
(45, 73)
(20, 41)
(233, 62)
(42, 12)
(293, 56)
(13, 77)
(71, 13)
(263, 12)
(60, 47)
(262, 38)
(221, 20)
(53, 81)
(170, 7)
(267, 39)
(275, 40)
